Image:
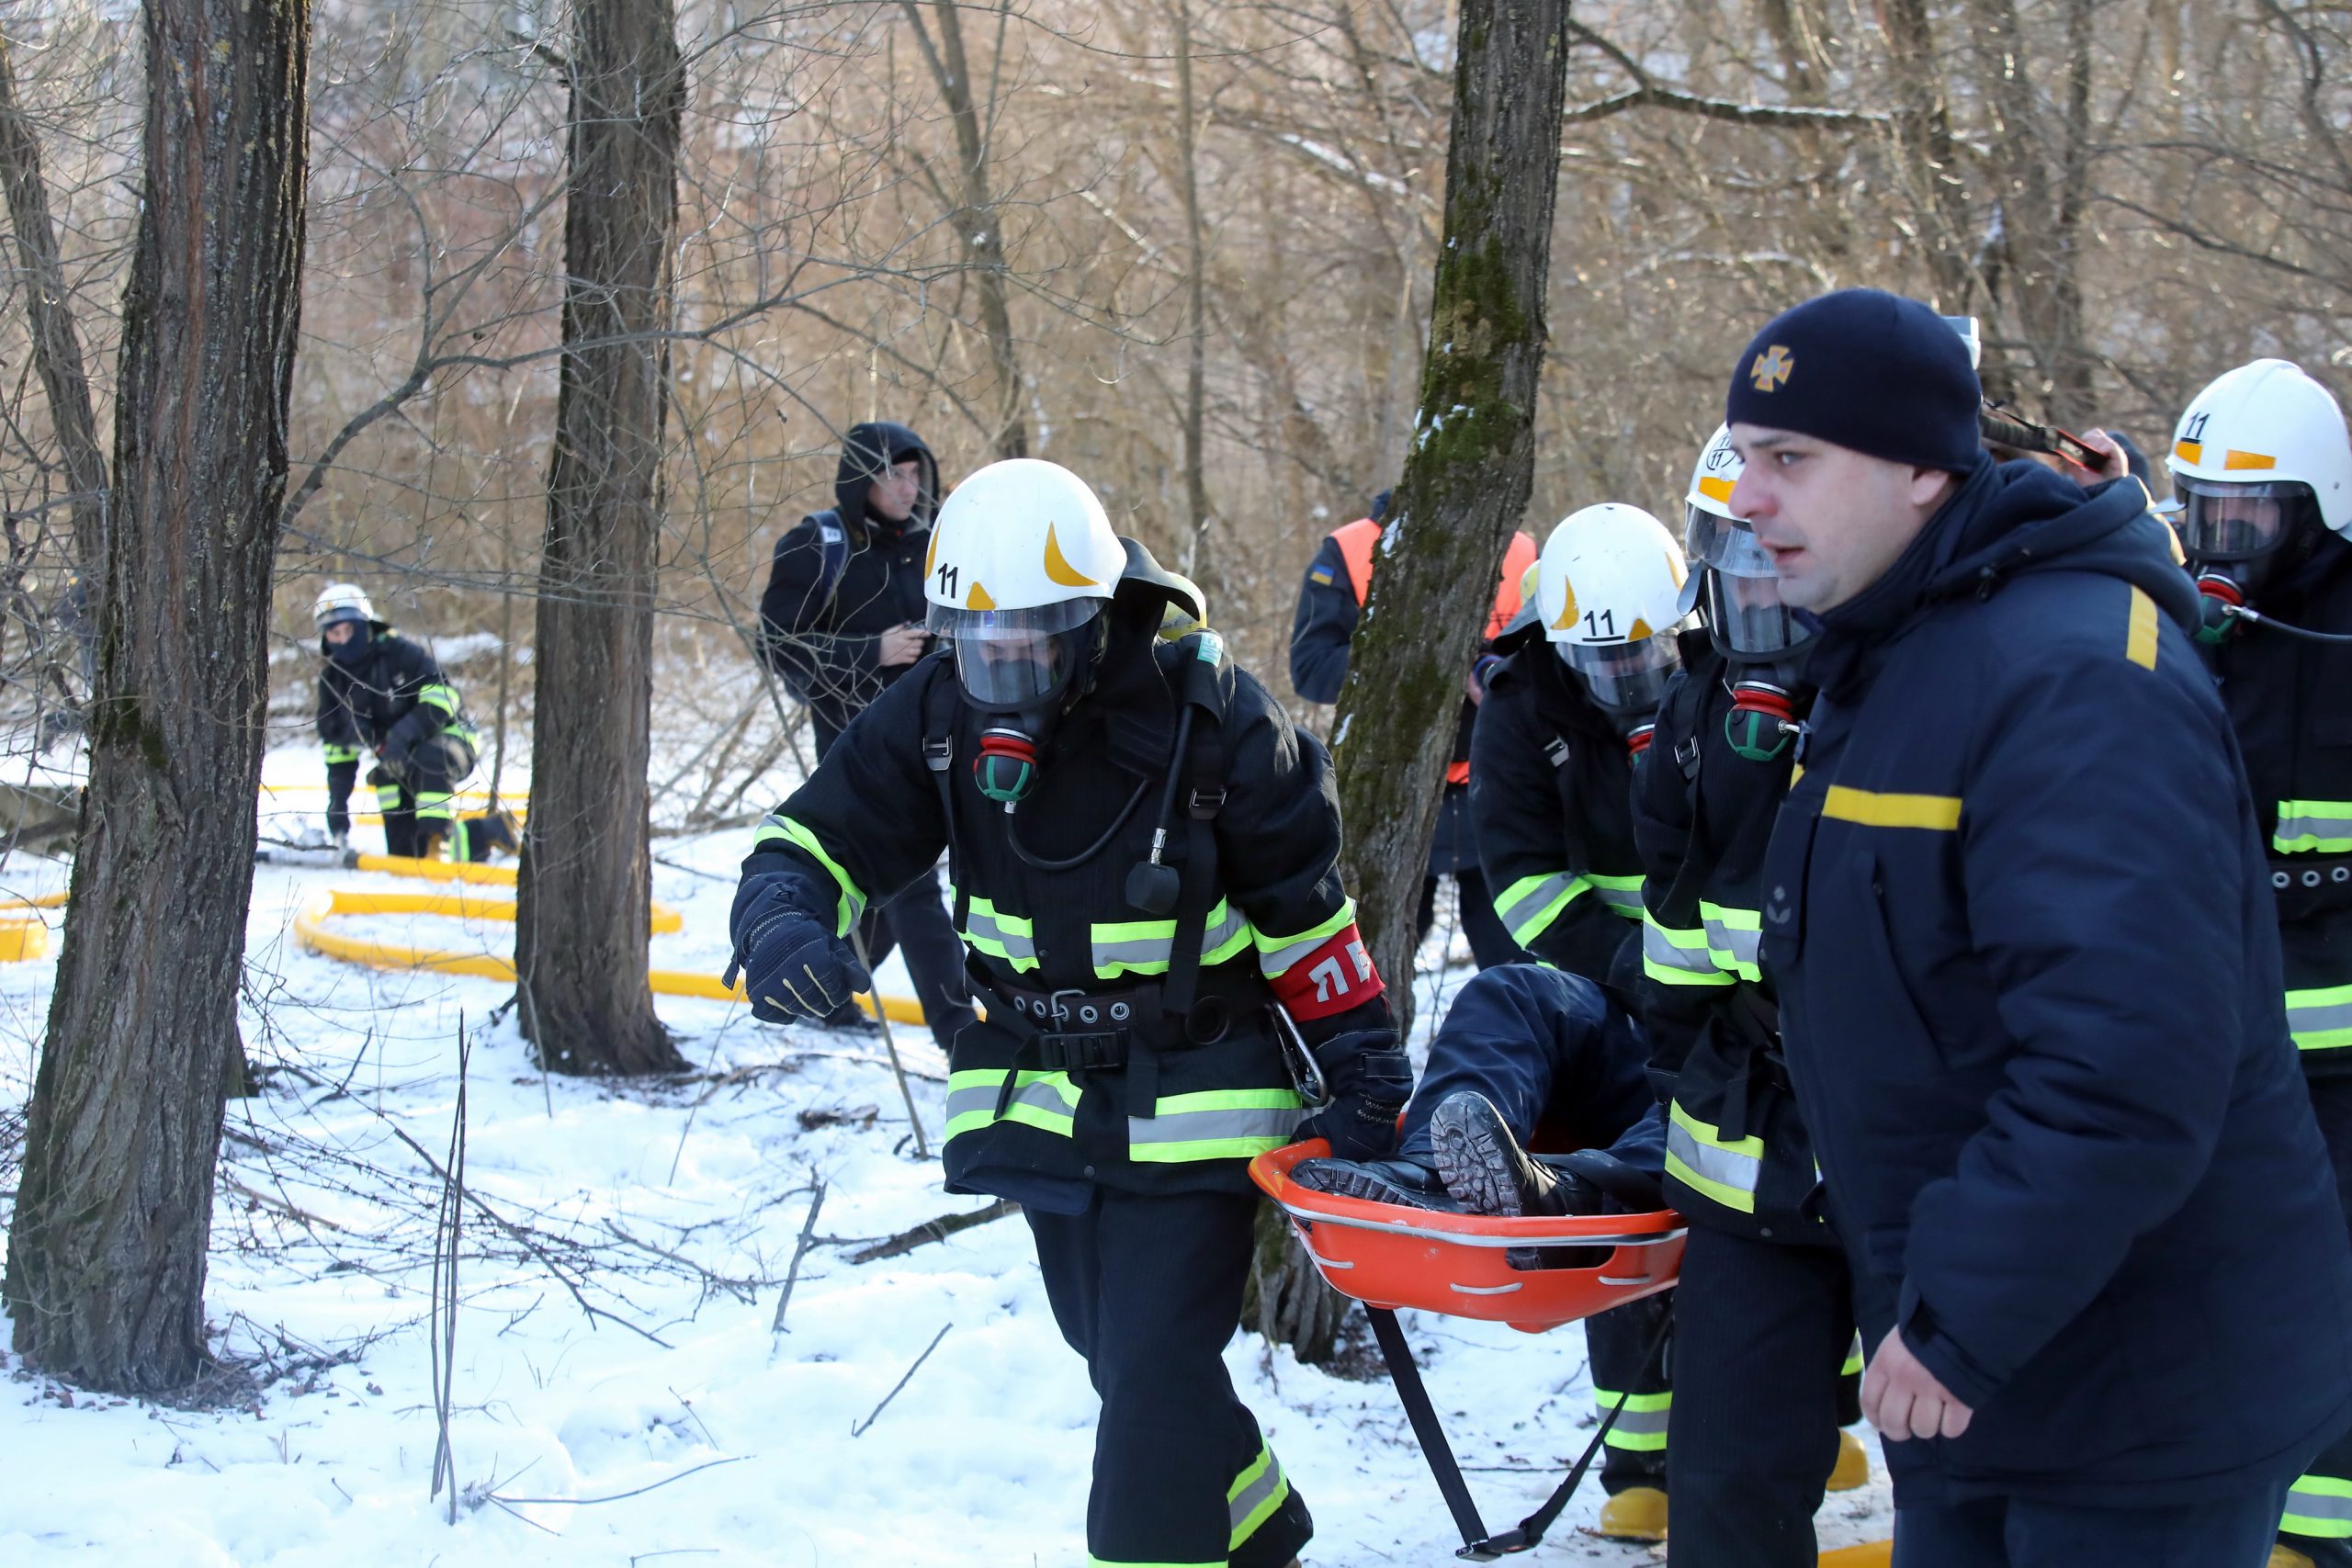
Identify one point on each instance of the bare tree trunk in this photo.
(586, 886)
(1198, 562)
(1469, 469)
(977, 220)
(107, 1256)
(1926, 156)
(56, 345)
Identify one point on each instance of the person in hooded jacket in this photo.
(841, 620)
(2264, 469)
(1323, 628)
(2018, 909)
(381, 695)
(1144, 852)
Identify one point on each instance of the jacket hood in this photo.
(2010, 520)
(868, 451)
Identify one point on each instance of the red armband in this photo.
(1334, 978)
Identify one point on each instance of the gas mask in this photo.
(1626, 680)
(2240, 539)
(1020, 670)
(1763, 639)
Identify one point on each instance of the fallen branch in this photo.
(641, 1490)
(301, 1216)
(799, 1250)
(931, 1230)
(866, 1426)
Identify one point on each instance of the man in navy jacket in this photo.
(2029, 971)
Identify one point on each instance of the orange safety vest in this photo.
(1356, 541)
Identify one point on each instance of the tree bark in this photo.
(56, 345)
(1926, 156)
(107, 1253)
(584, 903)
(977, 219)
(1199, 563)
(1469, 468)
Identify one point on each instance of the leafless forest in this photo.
(1184, 246)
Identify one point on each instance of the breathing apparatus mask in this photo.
(2240, 539)
(1626, 680)
(1753, 630)
(1021, 669)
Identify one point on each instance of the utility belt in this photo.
(2310, 885)
(1123, 1029)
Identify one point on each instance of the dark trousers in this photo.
(915, 921)
(1148, 1290)
(2319, 1509)
(1567, 1068)
(2018, 1532)
(1761, 1332)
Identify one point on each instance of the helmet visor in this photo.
(1705, 535)
(1748, 619)
(1625, 677)
(2236, 522)
(1008, 659)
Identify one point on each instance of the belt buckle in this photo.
(1058, 1010)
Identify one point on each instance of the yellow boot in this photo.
(2285, 1556)
(1638, 1513)
(1853, 1466)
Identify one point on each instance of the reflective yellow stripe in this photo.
(1528, 907)
(1047, 1101)
(1677, 957)
(439, 696)
(2321, 1020)
(2140, 639)
(1641, 1427)
(1277, 953)
(431, 807)
(1216, 1123)
(1734, 939)
(989, 930)
(2319, 1508)
(2325, 826)
(1699, 1156)
(1145, 947)
(1622, 894)
(1254, 1496)
(1939, 812)
(341, 753)
(784, 829)
(1853, 1367)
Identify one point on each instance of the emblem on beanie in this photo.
(1772, 366)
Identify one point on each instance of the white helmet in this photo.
(340, 601)
(2264, 431)
(1609, 590)
(1020, 554)
(1708, 505)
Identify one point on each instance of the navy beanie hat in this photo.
(1867, 370)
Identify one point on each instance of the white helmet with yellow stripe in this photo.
(2254, 446)
(1609, 590)
(1023, 563)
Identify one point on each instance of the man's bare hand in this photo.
(2116, 464)
(1902, 1398)
(901, 645)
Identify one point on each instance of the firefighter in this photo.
(1143, 851)
(840, 621)
(1765, 1354)
(2264, 471)
(2020, 926)
(381, 695)
(1331, 600)
(1552, 1046)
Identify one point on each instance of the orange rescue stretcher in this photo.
(1388, 1257)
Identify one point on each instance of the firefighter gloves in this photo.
(1371, 1078)
(793, 966)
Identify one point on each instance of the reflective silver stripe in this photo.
(1256, 1495)
(984, 927)
(1224, 931)
(1743, 945)
(2322, 821)
(1208, 1126)
(977, 1101)
(1733, 1170)
(1134, 954)
(2319, 1505)
(1635, 1428)
(1660, 949)
(1532, 902)
(1626, 901)
(2312, 1019)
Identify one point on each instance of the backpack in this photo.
(832, 542)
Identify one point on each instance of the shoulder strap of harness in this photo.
(940, 703)
(1206, 687)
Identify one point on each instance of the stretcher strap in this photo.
(1478, 1546)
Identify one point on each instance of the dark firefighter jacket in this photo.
(1737, 1155)
(822, 637)
(1550, 793)
(2291, 703)
(1192, 1121)
(392, 698)
(2019, 911)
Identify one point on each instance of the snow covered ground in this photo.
(618, 1394)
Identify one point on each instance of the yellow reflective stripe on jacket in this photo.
(1699, 1156)
(1528, 907)
(2321, 1020)
(1641, 1427)
(341, 753)
(388, 797)
(1853, 1367)
(990, 930)
(1673, 956)
(779, 829)
(439, 695)
(2325, 826)
(1733, 937)
(1216, 1123)
(1940, 813)
(2320, 1507)
(2140, 631)
(433, 807)
(1145, 947)
(1048, 1101)
(1277, 953)
(1622, 894)
(1254, 1496)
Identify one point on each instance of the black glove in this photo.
(1635, 1190)
(792, 963)
(1370, 1079)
